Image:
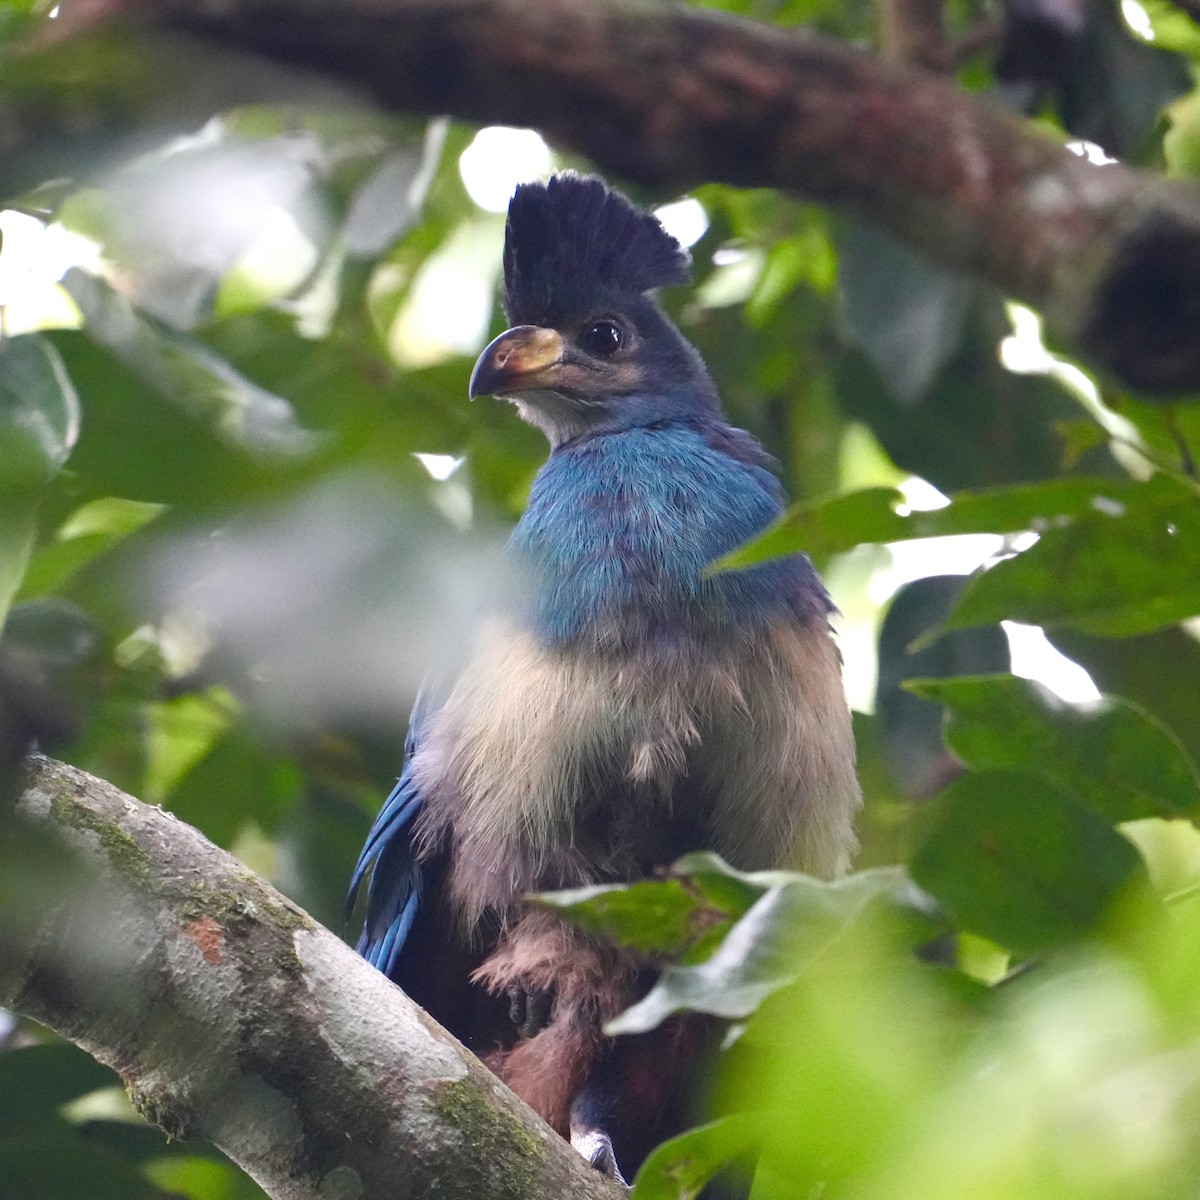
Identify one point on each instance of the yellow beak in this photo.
(521, 359)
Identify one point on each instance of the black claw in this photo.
(604, 1160)
(597, 1148)
(529, 1011)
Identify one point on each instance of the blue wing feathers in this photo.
(398, 810)
(389, 865)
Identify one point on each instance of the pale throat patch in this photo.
(559, 417)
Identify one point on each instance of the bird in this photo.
(626, 707)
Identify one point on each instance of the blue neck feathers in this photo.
(621, 525)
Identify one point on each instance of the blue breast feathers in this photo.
(621, 526)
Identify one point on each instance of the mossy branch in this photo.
(671, 96)
(233, 1016)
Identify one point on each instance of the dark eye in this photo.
(602, 339)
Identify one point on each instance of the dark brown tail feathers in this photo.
(585, 983)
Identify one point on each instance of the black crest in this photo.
(573, 236)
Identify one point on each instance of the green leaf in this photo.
(680, 1168)
(791, 924)
(189, 376)
(1016, 859)
(653, 917)
(37, 1080)
(1157, 671)
(978, 425)
(1166, 433)
(90, 532)
(904, 312)
(52, 1162)
(873, 515)
(39, 414)
(681, 917)
(910, 728)
(202, 1178)
(177, 458)
(723, 886)
(181, 732)
(1114, 756)
(18, 534)
(1079, 439)
(1181, 142)
(17, 19)
(829, 526)
(1133, 572)
(806, 256)
(39, 424)
(344, 382)
(1174, 29)
(237, 780)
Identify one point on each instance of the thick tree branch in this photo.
(673, 96)
(233, 1016)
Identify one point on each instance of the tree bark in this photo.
(232, 1015)
(671, 96)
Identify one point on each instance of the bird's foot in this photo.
(529, 1011)
(597, 1149)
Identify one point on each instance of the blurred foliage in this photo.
(223, 575)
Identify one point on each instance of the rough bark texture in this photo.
(672, 96)
(232, 1015)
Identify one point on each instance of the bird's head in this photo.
(589, 350)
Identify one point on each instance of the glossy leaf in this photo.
(662, 917)
(1013, 857)
(86, 535)
(39, 414)
(787, 927)
(680, 1168)
(186, 375)
(1155, 670)
(1133, 572)
(681, 917)
(39, 425)
(874, 515)
(1114, 756)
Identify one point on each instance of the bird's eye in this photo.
(602, 339)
